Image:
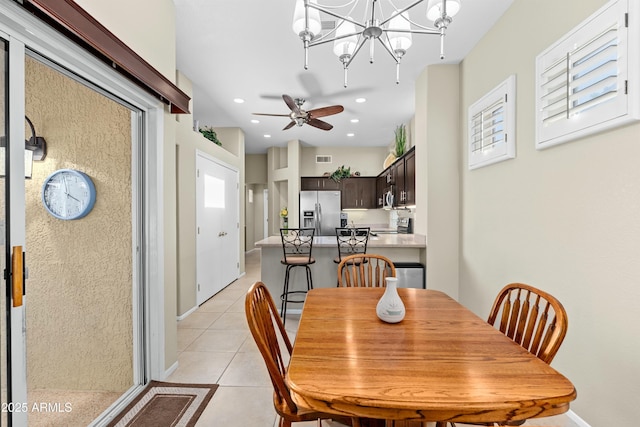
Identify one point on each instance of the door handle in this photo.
(17, 275)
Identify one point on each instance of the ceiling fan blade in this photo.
(291, 104)
(319, 124)
(290, 125)
(267, 114)
(326, 111)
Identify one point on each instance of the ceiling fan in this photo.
(299, 116)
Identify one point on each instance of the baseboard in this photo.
(576, 419)
(185, 315)
(170, 371)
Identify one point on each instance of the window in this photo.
(583, 80)
(492, 122)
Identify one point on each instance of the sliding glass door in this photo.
(91, 322)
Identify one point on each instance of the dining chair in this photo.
(370, 272)
(532, 318)
(297, 244)
(351, 241)
(271, 338)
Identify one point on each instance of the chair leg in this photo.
(441, 424)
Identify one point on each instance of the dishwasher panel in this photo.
(411, 275)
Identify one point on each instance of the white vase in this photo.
(390, 308)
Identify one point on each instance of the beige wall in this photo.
(366, 160)
(256, 168)
(564, 219)
(256, 178)
(436, 127)
(153, 38)
(79, 319)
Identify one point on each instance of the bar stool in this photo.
(297, 244)
(352, 241)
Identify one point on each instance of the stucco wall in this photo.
(79, 316)
(564, 219)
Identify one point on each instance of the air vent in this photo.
(323, 159)
(328, 25)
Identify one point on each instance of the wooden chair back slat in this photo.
(513, 317)
(540, 330)
(522, 321)
(531, 323)
(269, 333)
(369, 272)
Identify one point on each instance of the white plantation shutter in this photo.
(492, 126)
(582, 80)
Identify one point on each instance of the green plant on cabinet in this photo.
(210, 134)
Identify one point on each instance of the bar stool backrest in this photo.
(297, 244)
(352, 241)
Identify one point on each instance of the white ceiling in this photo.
(247, 49)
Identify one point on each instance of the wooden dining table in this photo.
(441, 363)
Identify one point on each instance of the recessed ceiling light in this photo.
(361, 100)
(351, 134)
(255, 121)
(354, 120)
(267, 136)
(238, 100)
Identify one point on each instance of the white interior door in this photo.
(217, 222)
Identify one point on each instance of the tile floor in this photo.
(215, 346)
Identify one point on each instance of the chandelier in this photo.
(349, 36)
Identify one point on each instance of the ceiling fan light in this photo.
(434, 9)
(315, 26)
(347, 45)
(400, 42)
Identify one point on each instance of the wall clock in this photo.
(68, 194)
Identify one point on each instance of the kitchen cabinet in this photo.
(358, 192)
(318, 183)
(410, 178)
(381, 188)
(400, 177)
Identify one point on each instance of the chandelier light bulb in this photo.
(434, 9)
(315, 26)
(400, 42)
(345, 46)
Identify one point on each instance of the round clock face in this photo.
(68, 194)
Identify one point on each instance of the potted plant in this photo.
(340, 173)
(400, 140)
(210, 134)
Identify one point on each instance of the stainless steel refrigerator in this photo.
(320, 210)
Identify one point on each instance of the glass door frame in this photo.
(26, 33)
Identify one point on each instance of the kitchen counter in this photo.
(379, 241)
(396, 247)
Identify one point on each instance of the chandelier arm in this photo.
(361, 43)
(340, 6)
(323, 41)
(400, 12)
(335, 15)
(432, 31)
(388, 49)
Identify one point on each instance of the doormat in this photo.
(166, 404)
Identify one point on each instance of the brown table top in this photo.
(441, 363)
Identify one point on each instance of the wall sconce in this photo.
(36, 144)
(35, 148)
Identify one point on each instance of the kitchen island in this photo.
(396, 247)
